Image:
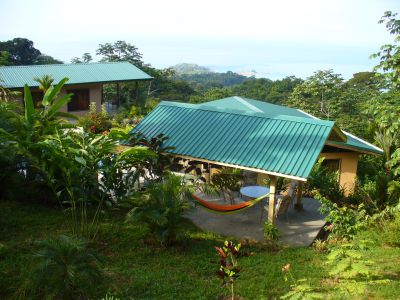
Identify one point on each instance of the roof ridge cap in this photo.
(68, 64)
(244, 113)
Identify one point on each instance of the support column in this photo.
(271, 203)
(298, 205)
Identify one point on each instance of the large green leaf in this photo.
(46, 97)
(29, 107)
(56, 106)
(52, 92)
(139, 152)
(65, 115)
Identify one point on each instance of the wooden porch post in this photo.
(271, 203)
(298, 205)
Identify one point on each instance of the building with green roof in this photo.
(86, 81)
(268, 139)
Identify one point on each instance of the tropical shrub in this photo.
(96, 121)
(162, 207)
(227, 180)
(64, 268)
(299, 288)
(73, 161)
(378, 193)
(22, 128)
(320, 245)
(271, 233)
(324, 182)
(228, 270)
(345, 221)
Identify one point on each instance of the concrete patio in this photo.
(299, 228)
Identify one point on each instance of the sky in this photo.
(275, 38)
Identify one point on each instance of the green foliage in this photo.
(299, 288)
(273, 91)
(228, 270)
(64, 268)
(324, 182)
(45, 82)
(320, 245)
(346, 221)
(211, 94)
(72, 162)
(376, 194)
(22, 52)
(207, 80)
(389, 54)
(132, 265)
(319, 93)
(227, 180)
(386, 227)
(120, 51)
(271, 233)
(162, 207)
(96, 121)
(86, 58)
(347, 262)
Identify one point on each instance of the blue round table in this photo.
(254, 191)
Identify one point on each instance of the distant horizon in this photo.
(277, 39)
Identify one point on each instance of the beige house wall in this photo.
(347, 168)
(94, 96)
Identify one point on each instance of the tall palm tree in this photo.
(385, 140)
(45, 82)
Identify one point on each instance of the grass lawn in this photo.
(138, 270)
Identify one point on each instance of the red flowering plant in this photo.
(228, 270)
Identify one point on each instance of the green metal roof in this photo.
(239, 103)
(18, 76)
(277, 144)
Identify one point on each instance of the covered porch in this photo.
(268, 140)
(298, 228)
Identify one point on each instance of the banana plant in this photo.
(48, 116)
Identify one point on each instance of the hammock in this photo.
(227, 209)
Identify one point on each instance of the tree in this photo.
(47, 60)
(5, 58)
(45, 82)
(319, 94)
(86, 58)
(120, 51)
(389, 54)
(22, 51)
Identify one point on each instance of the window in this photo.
(333, 165)
(79, 101)
(37, 97)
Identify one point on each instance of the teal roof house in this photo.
(256, 136)
(86, 81)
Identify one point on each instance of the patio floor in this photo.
(299, 229)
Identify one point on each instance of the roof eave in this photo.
(84, 82)
(353, 148)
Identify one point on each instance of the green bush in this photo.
(345, 221)
(162, 207)
(324, 182)
(271, 232)
(95, 121)
(64, 268)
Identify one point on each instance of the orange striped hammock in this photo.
(227, 209)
